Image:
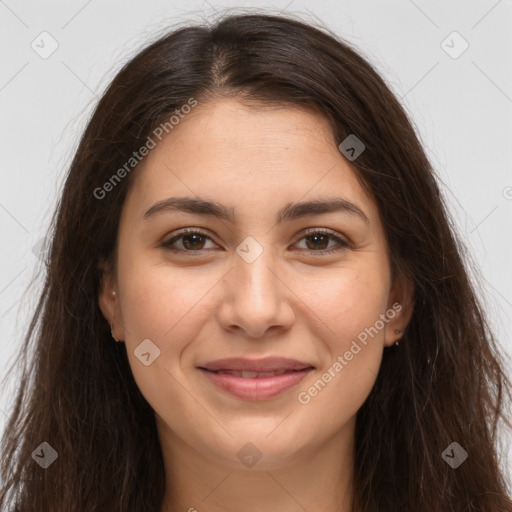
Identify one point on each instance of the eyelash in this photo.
(192, 231)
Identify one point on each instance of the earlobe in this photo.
(107, 300)
(400, 310)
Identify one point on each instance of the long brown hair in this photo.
(444, 383)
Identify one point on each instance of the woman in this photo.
(251, 217)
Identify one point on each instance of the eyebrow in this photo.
(289, 212)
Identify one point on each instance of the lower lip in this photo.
(259, 388)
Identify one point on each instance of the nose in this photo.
(256, 298)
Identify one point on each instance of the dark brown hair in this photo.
(444, 383)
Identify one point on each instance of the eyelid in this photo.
(325, 231)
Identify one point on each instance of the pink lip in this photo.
(259, 388)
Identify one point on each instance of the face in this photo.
(265, 282)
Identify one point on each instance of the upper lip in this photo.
(268, 364)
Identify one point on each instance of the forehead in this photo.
(236, 154)
(230, 131)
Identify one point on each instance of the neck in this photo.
(318, 479)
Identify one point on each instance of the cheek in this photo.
(163, 304)
(351, 306)
(350, 303)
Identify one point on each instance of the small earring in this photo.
(397, 331)
(112, 333)
(113, 292)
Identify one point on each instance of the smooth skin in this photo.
(206, 302)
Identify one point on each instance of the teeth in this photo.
(268, 374)
(249, 375)
(252, 375)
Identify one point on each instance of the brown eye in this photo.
(187, 241)
(194, 241)
(317, 242)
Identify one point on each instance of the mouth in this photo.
(265, 365)
(250, 375)
(255, 379)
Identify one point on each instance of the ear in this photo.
(400, 309)
(108, 300)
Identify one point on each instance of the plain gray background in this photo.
(460, 102)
